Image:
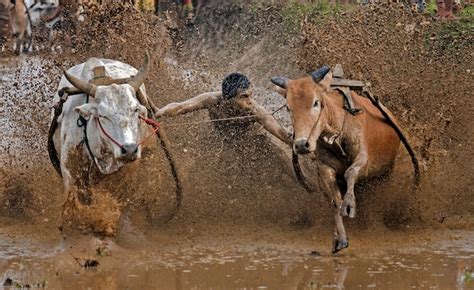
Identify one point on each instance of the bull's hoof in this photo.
(338, 245)
(348, 209)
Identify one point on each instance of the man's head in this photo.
(235, 85)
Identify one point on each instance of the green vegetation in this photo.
(451, 38)
(468, 13)
(293, 12)
(430, 8)
(459, 32)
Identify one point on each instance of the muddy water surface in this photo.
(445, 264)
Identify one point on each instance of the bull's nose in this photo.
(129, 151)
(302, 146)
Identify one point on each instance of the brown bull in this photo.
(366, 144)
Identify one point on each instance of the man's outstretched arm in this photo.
(269, 122)
(196, 103)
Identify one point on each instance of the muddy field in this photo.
(244, 221)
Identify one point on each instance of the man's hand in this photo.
(159, 113)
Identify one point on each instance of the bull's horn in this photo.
(139, 79)
(320, 73)
(83, 86)
(282, 82)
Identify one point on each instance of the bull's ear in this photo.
(86, 110)
(282, 82)
(326, 81)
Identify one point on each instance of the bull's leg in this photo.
(67, 178)
(348, 207)
(28, 39)
(16, 43)
(329, 183)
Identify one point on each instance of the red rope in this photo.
(106, 134)
(151, 122)
(154, 124)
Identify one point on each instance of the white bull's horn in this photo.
(139, 79)
(83, 86)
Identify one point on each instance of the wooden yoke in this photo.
(344, 86)
(100, 79)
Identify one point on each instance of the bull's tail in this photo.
(58, 109)
(53, 154)
(164, 141)
(376, 102)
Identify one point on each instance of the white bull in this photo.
(112, 130)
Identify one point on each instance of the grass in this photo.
(453, 37)
(294, 11)
(468, 12)
(431, 8)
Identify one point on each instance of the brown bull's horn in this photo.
(139, 79)
(83, 86)
(320, 73)
(282, 82)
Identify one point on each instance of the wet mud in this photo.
(244, 220)
(436, 260)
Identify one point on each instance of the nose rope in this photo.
(107, 134)
(154, 124)
(315, 124)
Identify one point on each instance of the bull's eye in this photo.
(316, 104)
(137, 110)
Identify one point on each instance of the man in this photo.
(233, 103)
(444, 10)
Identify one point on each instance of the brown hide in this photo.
(381, 139)
(369, 128)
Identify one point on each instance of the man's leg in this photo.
(188, 9)
(448, 9)
(440, 9)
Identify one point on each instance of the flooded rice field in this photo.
(431, 264)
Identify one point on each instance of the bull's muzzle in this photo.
(129, 152)
(301, 146)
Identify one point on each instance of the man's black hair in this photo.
(232, 83)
